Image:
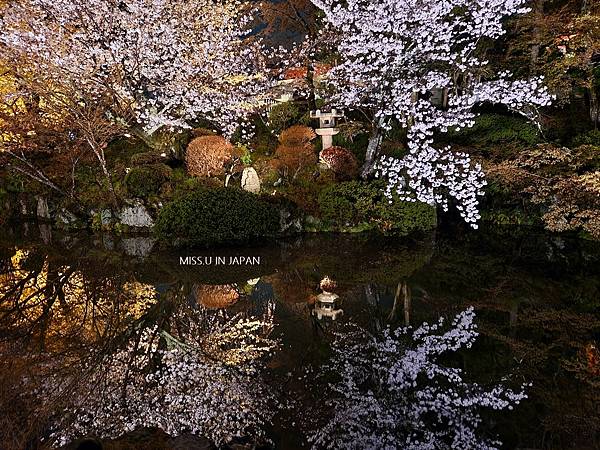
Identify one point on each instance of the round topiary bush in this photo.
(341, 161)
(207, 156)
(146, 181)
(355, 203)
(213, 216)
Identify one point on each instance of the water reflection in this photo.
(191, 371)
(392, 390)
(307, 350)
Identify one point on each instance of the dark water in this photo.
(114, 340)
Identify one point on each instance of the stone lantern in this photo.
(327, 123)
(327, 303)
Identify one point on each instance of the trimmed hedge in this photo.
(353, 203)
(213, 216)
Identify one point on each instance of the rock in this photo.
(66, 217)
(288, 223)
(45, 233)
(108, 243)
(250, 180)
(106, 217)
(23, 206)
(138, 246)
(42, 210)
(136, 216)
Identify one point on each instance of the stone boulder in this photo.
(250, 180)
(136, 215)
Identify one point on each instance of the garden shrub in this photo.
(146, 181)
(352, 203)
(282, 116)
(208, 155)
(290, 160)
(264, 141)
(123, 149)
(146, 158)
(199, 132)
(498, 129)
(297, 135)
(341, 161)
(212, 216)
(590, 138)
(357, 145)
(296, 152)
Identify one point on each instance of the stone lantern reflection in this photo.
(327, 303)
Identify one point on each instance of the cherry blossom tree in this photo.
(394, 55)
(394, 392)
(168, 62)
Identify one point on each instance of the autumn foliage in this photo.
(217, 296)
(297, 135)
(295, 152)
(559, 181)
(208, 156)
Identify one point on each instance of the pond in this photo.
(321, 341)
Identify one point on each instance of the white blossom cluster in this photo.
(394, 393)
(170, 62)
(177, 382)
(395, 53)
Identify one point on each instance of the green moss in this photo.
(213, 216)
(121, 151)
(146, 181)
(146, 158)
(589, 138)
(351, 205)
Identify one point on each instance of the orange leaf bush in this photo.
(295, 152)
(208, 156)
(297, 135)
(217, 296)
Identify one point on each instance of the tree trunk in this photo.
(310, 78)
(372, 150)
(594, 107)
(99, 152)
(407, 303)
(538, 13)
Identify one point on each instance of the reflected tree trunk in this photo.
(514, 314)
(404, 295)
(372, 296)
